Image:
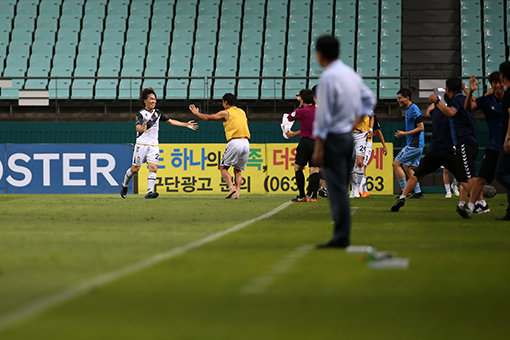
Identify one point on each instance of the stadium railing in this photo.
(60, 86)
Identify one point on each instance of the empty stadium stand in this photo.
(209, 47)
(484, 35)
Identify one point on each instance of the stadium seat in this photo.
(129, 89)
(226, 38)
(106, 89)
(82, 89)
(176, 89)
(140, 11)
(271, 89)
(248, 89)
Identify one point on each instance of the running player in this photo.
(375, 130)
(492, 107)
(147, 145)
(238, 141)
(410, 155)
(463, 135)
(360, 134)
(441, 153)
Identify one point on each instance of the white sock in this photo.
(481, 202)
(462, 203)
(471, 206)
(359, 176)
(127, 177)
(151, 180)
(447, 188)
(401, 196)
(363, 183)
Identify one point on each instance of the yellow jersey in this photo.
(363, 125)
(236, 125)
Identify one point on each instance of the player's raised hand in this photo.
(433, 98)
(473, 84)
(192, 125)
(193, 109)
(399, 134)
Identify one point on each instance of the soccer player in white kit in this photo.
(147, 144)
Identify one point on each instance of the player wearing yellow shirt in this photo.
(238, 141)
(359, 134)
(375, 128)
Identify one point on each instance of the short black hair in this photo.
(504, 69)
(314, 90)
(454, 84)
(406, 93)
(328, 46)
(146, 92)
(307, 96)
(230, 98)
(494, 77)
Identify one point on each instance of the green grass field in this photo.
(455, 288)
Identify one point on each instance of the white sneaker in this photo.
(355, 194)
(448, 195)
(455, 190)
(352, 194)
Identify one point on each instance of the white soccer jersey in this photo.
(152, 119)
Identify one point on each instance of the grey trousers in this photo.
(337, 169)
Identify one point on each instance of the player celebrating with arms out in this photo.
(238, 141)
(147, 145)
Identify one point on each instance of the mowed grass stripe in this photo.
(49, 302)
(456, 287)
(261, 283)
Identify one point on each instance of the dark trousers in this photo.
(336, 169)
(503, 175)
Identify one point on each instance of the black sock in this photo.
(314, 184)
(300, 182)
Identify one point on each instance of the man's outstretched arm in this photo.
(222, 115)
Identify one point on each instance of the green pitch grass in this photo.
(455, 288)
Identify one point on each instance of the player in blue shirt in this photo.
(492, 106)
(410, 155)
(462, 126)
(441, 153)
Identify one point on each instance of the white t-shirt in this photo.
(152, 118)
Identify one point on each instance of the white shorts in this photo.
(360, 141)
(236, 153)
(368, 152)
(144, 153)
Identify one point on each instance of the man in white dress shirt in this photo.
(342, 99)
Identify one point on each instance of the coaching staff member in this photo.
(306, 115)
(342, 99)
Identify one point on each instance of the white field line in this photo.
(261, 283)
(51, 301)
(353, 210)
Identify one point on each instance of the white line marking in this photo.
(261, 283)
(353, 210)
(51, 301)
